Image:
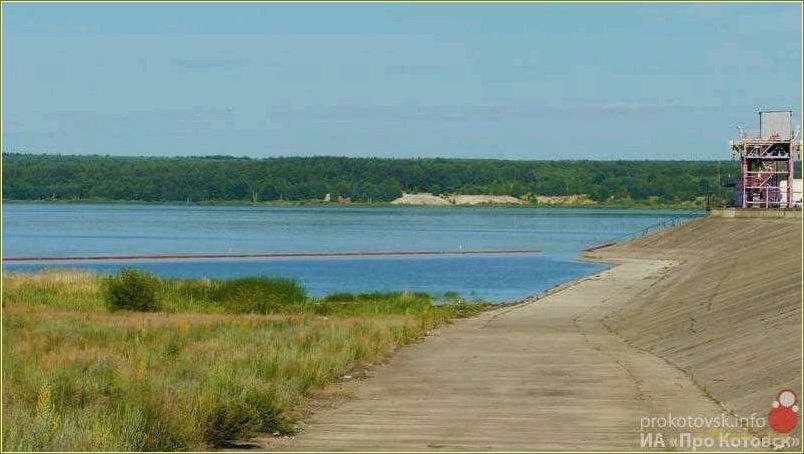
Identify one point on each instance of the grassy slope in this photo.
(80, 378)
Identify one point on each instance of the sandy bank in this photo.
(576, 199)
(430, 199)
(484, 199)
(420, 199)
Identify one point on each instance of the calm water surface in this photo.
(74, 229)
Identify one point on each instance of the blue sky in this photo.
(515, 81)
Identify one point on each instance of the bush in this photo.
(341, 297)
(260, 295)
(132, 290)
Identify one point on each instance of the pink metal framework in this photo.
(766, 161)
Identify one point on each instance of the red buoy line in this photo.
(267, 255)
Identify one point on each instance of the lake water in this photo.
(64, 230)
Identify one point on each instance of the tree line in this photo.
(224, 178)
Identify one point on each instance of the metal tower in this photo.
(766, 158)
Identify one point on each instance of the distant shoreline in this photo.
(367, 181)
(315, 203)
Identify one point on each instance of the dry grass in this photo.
(80, 378)
(70, 288)
(67, 281)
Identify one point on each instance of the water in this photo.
(129, 229)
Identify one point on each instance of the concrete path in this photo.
(545, 375)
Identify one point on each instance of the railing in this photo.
(672, 222)
(749, 134)
(754, 136)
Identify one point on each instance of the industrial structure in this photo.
(766, 157)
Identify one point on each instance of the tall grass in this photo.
(194, 377)
(68, 289)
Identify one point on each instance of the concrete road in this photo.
(545, 375)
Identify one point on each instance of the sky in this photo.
(511, 81)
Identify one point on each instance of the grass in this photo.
(207, 369)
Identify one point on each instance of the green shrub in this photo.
(451, 297)
(260, 295)
(131, 289)
(341, 297)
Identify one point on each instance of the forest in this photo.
(235, 179)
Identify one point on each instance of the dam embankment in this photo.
(729, 314)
